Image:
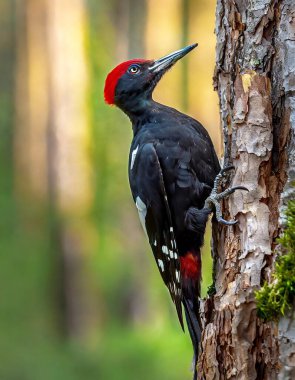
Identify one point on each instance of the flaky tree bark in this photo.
(255, 81)
(286, 49)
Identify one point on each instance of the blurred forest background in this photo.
(80, 295)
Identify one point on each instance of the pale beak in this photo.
(164, 63)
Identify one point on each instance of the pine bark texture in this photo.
(254, 78)
(287, 50)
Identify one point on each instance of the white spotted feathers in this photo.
(141, 208)
(133, 157)
(152, 203)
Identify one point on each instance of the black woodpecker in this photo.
(174, 173)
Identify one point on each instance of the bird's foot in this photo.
(214, 199)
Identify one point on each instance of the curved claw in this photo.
(213, 201)
(219, 214)
(234, 188)
(227, 222)
(229, 191)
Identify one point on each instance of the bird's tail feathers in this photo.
(194, 327)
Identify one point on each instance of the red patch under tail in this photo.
(190, 265)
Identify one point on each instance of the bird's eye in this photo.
(134, 69)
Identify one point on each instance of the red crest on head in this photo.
(114, 76)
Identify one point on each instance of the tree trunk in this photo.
(52, 145)
(286, 54)
(254, 78)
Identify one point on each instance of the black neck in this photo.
(139, 112)
(153, 114)
(134, 108)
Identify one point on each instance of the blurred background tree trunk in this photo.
(130, 17)
(51, 143)
(254, 78)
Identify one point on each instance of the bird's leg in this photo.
(213, 201)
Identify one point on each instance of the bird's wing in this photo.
(189, 170)
(204, 160)
(148, 188)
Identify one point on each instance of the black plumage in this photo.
(172, 168)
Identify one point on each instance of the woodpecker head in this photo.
(130, 85)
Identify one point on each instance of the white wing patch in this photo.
(161, 264)
(168, 252)
(133, 157)
(165, 249)
(141, 208)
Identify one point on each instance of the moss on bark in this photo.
(274, 299)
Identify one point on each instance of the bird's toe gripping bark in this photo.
(214, 199)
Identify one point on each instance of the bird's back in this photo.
(186, 154)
